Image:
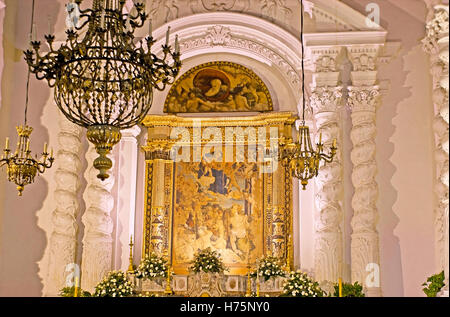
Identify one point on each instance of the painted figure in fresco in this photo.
(220, 88)
(215, 208)
(237, 231)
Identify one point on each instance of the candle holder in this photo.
(130, 265)
(21, 167)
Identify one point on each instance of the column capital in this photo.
(364, 58)
(325, 99)
(363, 98)
(131, 132)
(325, 59)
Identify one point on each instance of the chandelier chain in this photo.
(303, 61)
(29, 72)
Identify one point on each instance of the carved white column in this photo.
(363, 100)
(126, 195)
(326, 96)
(436, 45)
(63, 239)
(98, 225)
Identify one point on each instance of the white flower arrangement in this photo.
(268, 267)
(152, 266)
(115, 284)
(300, 284)
(207, 261)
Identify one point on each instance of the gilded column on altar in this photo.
(325, 100)
(158, 216)
(363, 100)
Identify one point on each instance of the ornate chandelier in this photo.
(301, 157)
(104, 80)
(21, 167)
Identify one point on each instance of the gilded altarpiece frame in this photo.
(269, 215)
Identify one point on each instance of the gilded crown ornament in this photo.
(21, 167)
(300, 157)
(103, 77)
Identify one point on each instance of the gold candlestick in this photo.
(258, 287)
(131, 266)
(248, 293)
(168, 290)
(75, 293)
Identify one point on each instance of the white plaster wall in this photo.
(404, 153)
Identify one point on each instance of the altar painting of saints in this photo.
(218, 205)
(218, 87)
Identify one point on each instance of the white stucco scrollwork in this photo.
(63, 237)
(98, 225)
(363, 102)
(436, 45)
(328, 241)
(325, 101)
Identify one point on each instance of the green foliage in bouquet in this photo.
(268, 267)
(349, 290)
(207, 261)
(434, 284)
(152, 266)
(115, 284)
(70, 292)
(299, 284)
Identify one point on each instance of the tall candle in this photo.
(49, 25)
(334, 142)
(177, 44)
(102, 19)
(150, 27)
(45, 147)
(167, 36)
(340, 287)
(34, 32)
(7, 144)
(320, 138)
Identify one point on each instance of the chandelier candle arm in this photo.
(102, 79)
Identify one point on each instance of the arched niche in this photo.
(268, 50)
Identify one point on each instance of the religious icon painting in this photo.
(218, 87)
